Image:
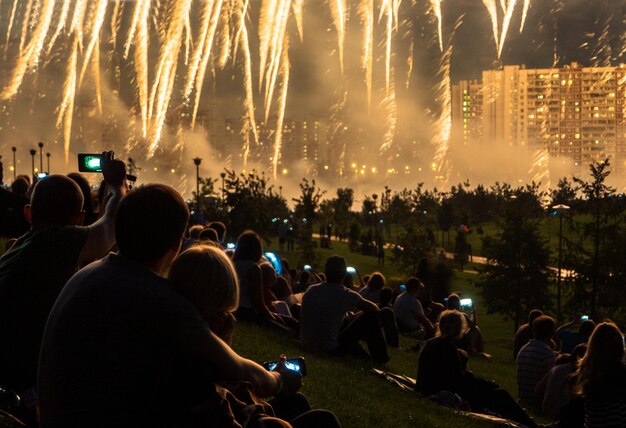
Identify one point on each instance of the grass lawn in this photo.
(360, 399)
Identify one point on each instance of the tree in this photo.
(252, 203)
(517, 277)
(341, 205)
(306, 211)
(564, 194)
(594, 255)
(412, 246)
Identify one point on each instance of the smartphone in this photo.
(90, 162)
(41, 175)
(584, 318)
(351, 270)
(402, 287)
(230, 246)
(293, 364)
(466, 303)
(275, 261)
(307, 267)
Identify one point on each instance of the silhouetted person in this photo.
(12, 221)
(525, 332)
(90, 213)
(35, 269)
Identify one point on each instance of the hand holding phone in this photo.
(291, 379)
(351, 270)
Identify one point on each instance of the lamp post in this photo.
(48, 158)
(40, 144)
(223, 175)
(14, 149)
(33, 152)
(560, 209)
(197, 162)
(280, 190)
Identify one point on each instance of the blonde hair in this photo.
(206, 276)
(605, 348)
(451, 324)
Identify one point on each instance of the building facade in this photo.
(570, 112)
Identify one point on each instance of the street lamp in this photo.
(14, 149)
(196, 162)
(223, 175)
(560, 209)
(48, 157)
(33, 152)
(40, 144)
(280, 190)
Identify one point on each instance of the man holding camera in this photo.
(35, 269)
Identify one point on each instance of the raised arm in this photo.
(101, 235)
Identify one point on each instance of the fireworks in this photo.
(195, 38)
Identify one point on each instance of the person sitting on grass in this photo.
(206, 277)
(524, 333)
(601, 378)
(220, 229)
(442, 367)
(121, 348)
(556, 385)
(409, 313)
(325, 322)
(209, 236)
(569, 339)
(246, 259)
(374, 284)
(35, 269)
(534, 360)
(472, 341)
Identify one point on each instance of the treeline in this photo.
(414, 222)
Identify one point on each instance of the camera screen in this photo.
(351, 270)
(292, 365)
(278, 267)
(90, 163)
(466, 303)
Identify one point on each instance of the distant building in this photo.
(573, 111)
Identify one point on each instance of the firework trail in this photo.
(196, 56)
(492, 9)
(25, 23)
(208, 44)
(116, 21)
(338, 13)
(508, 14)
(66, 109)
(29, 56)
(249, 119)
(443, 123)
(97, 22)
(225, 36)
(366, 11)
(164, 80)
(65, 9)
(141, 63)
(76, 24)
(11, 19)
(389, 13)
(298, 7)
(436, 7)
(525, 8)
(282, 104)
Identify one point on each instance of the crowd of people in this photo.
(124, 316)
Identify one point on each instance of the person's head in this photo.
(20, 186)
(150, 223)
(605, 351)
(283, 289)
(219, 228)
(24, 177)
(533, 315)
(452, 324)
(414, 286)
(85, 188)
(194, 232)
(56, 201)
(376, 281)
(335, 269)
(586, 328)
(208, 234)
(454, 302)
(268, 274)
(579, 351)
(385, 296)
(304, 277)
(543, 328)
(205, 276)
(249, 247)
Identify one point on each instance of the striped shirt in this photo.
(534, 360)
